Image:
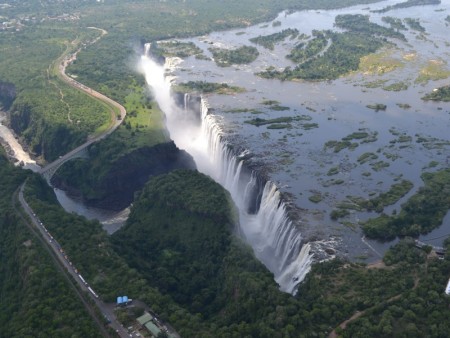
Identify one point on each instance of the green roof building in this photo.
(154, 330)
(145, 318)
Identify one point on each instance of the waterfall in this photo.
(186, 102)
(266, 226)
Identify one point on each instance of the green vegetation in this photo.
(208, 87)
(392, 196)
(244, 110)
(404, 105)
(395, 23)
(339, 213)
(283, 122)
(438, 94)
(363, 135)
(316, 198)
(340, 145)
(367, 157)
(414, 24)
(304, 51)
(407, 4)
(261, 122)
(176, 48)
(270, 102)
(38, 35)
(377, 106)
(276, 23)
(333, 171)
(169, 246)
(343, 55)
(126, 157)
(396, 87)
(422, 213)
(378, 64)
(51, 116)
(269, 41)
(35, 297)
(377, 166)
(228, 57)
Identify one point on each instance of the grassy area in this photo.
(433, 71)
(52, 116)
(396, 87)
(379, 63)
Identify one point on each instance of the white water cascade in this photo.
(275, 240)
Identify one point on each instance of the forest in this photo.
(208, 282)
(423, 212)
(34, 296)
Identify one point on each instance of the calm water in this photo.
(296, 158)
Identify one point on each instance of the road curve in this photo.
(115, 120)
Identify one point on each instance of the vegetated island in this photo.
(422, 213)
(269, 41)
(228, 57)
(204, 87)
(438, 94)
(407, 4)
(321, 60)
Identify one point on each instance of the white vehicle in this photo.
(82, 279)
(92, 291)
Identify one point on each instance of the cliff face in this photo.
(116, 189)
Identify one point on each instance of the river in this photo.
(297, 159)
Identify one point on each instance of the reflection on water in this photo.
(297, 159)
(110, 220)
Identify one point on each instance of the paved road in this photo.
(115, 121)
(70, 269)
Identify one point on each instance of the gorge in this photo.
(277, 242)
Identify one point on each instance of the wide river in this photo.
(296, 158)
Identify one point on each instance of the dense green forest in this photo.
(228, 57)
(182, 243)
(35, 299)
(178, 253)
(120, 164)
(422, 213)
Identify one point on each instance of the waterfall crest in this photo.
(263, 218)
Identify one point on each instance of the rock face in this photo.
(116, 189)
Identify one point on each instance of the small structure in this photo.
(447, 289)
(154, 330)
(123, 300)
(144, 318)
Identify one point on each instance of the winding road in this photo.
(115, 107)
